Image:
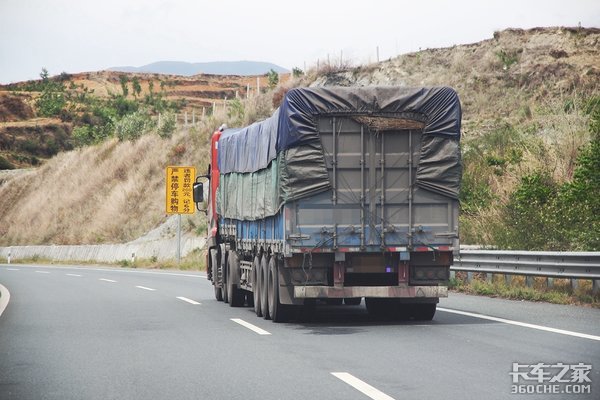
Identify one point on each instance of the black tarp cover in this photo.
(292, 132)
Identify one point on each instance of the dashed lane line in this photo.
(12, 269)
(522, 324)
(189, 301)
(145, 288)
(361, 386)
(248, 325)
(107, 280)
(76, 275)
(42, 272)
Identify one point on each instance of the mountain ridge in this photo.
(184, 68)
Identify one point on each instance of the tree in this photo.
(124, 80)
(297, 72)
(137, 88)
(52, 100)
(273, 78)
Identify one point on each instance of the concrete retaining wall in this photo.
(162, 249)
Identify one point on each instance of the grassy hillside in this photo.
(530, 101)
(39, 119)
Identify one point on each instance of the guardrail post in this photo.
(574, 284)
(452, 274)
(8, 260)
(549, 283)
(507, 279)
(595, 286)
(489, 278)
(469, 277)
(529, 281)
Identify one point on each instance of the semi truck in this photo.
(343, 194)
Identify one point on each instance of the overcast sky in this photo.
(84, 35)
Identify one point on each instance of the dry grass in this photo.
(105, 193)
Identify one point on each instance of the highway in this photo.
(70, 332)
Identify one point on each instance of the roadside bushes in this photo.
(134, 125)
(543, 214)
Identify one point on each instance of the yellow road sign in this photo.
(180, 182)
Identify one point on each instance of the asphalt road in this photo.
(100, 333)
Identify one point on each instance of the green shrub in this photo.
(5, 164)
(132, 126)
(297, 72)
(235, 112)
(86, 135)
(167, 125)
(273, 78)
(508, 57)
(52, 100)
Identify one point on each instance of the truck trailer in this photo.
(344, 193)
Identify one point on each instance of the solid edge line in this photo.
(522, 324)
(4, 298)
(361, 386)
(189, 301)
(250, 326)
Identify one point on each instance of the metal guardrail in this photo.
(567, 265)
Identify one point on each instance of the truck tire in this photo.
(277, 311)
(235, 296)
(256, 284)
(215, 267)
(224, 277)
(264, 286)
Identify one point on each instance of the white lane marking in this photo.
(189, 300)
(116, 269)
(145, 288)
(522, 324)
(4, 298)
(250, 326)
(73, 275)
(42, 272)
(12, 269)
(361, 386)
(107, 280)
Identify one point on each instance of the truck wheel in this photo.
(215, 268)
(352, 301)
(277, 311)
(224, 279)
(256, 286)
(264, 286)
(235, 296)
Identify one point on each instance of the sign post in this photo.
(180, 199)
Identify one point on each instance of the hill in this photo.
(530, 99)
(37, 118)
(213, 68)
